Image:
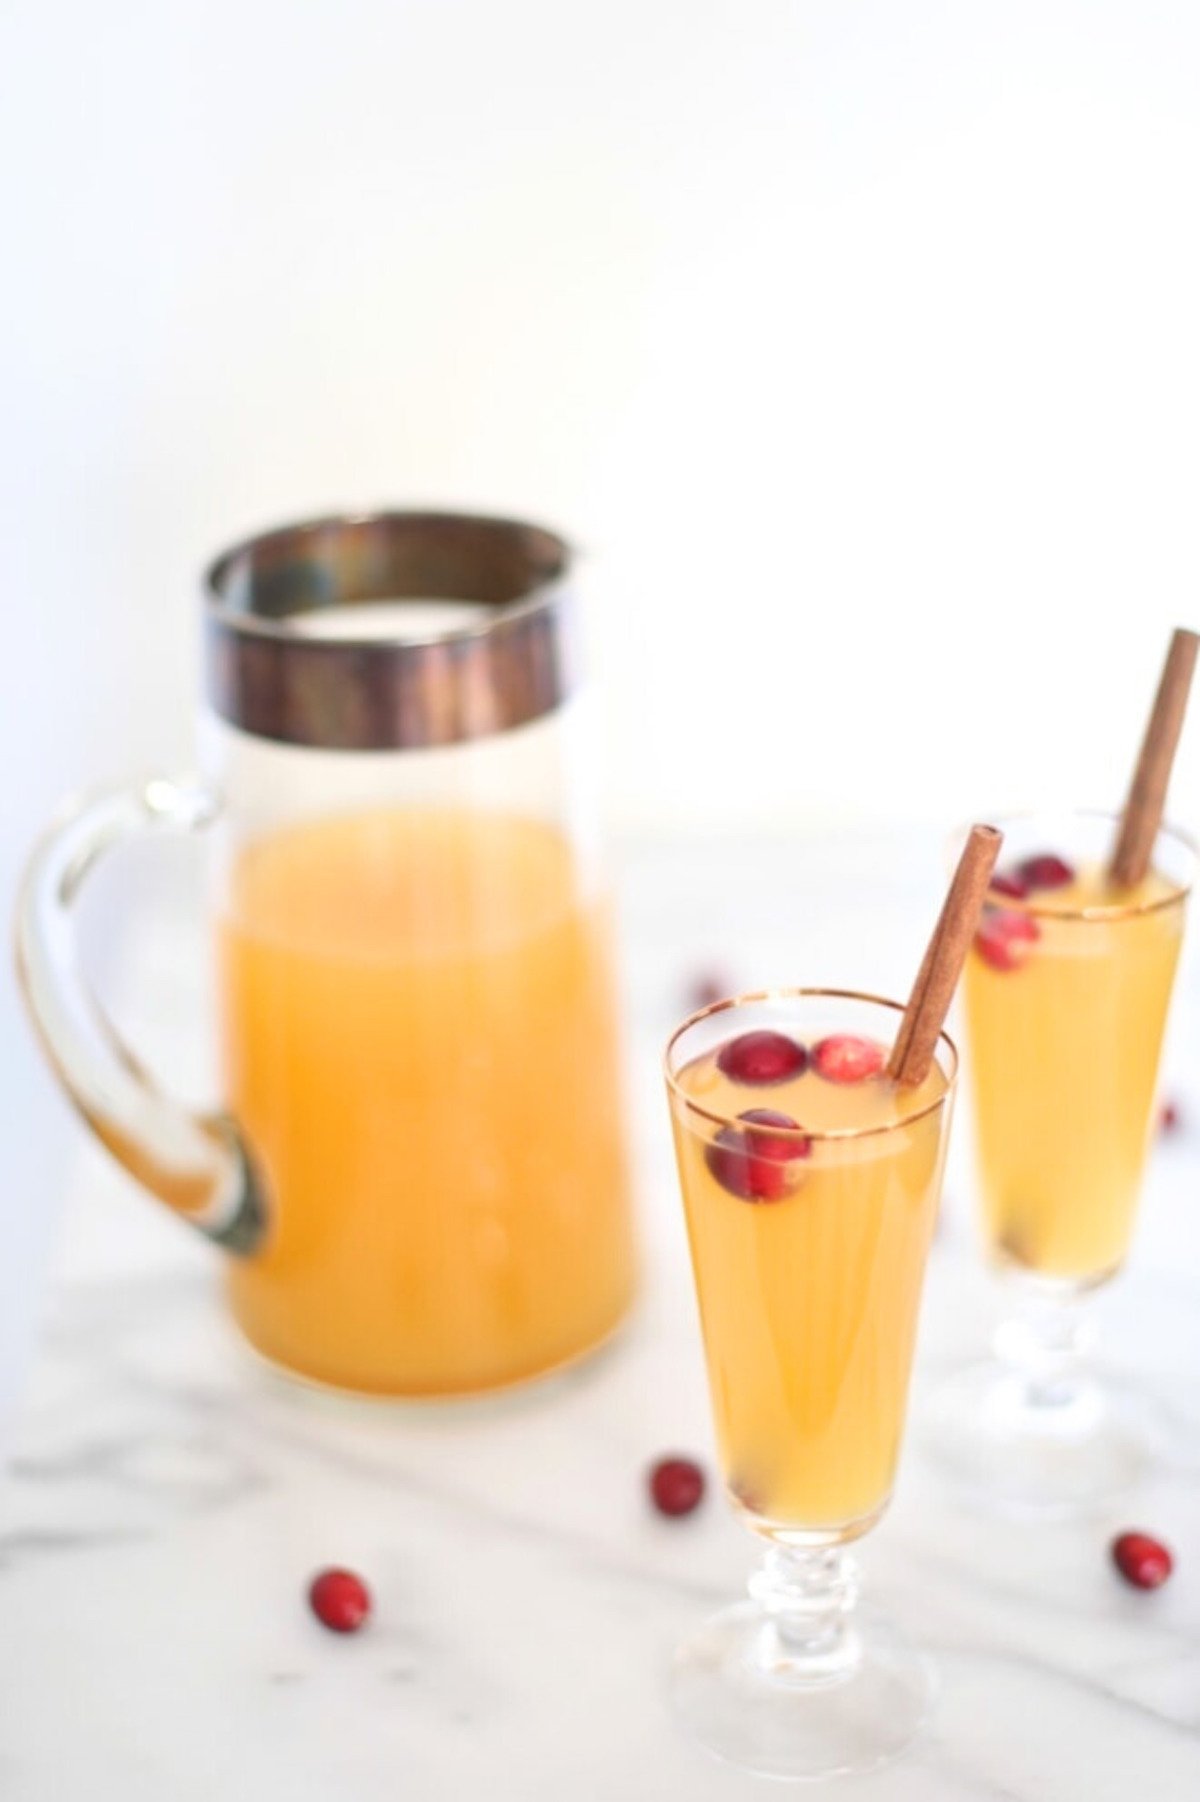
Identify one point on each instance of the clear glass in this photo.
(808, 1298)
(418, 1019)
(419, 1163)
(1067, 992)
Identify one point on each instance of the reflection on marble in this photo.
(168, 1496)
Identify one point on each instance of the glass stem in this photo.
(1047, 1343)
(807, 1596)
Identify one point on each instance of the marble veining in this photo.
(167, 1496)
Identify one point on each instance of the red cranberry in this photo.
(1169, 1116)
(1046, 870)
(1004, 939)
(676, 1485)
(757, 1165)
(1143, 1561)
(844, 1058)
(761, 1058)
(340, 1600)
(706, 988)
(1008, 883)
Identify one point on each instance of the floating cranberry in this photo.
(340, 1600)
(759, 1058)
(1142, 1560)
(676, 1485)
(1005, 939)
(1008, 883)
(1046, 870)
(756, 1164)
(844, 1058)
(1169, 1116)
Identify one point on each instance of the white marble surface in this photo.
(167, 1498)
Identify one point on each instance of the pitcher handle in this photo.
(195, 1163)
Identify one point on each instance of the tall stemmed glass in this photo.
(1067, 991)
(808, 1248)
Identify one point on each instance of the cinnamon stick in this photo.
(1148, 791)
(937, 979)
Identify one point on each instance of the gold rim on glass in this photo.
(839, 1134)
(1096, 914)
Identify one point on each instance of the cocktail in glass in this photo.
(1067, 990)
(810, 1183)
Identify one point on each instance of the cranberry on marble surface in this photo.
(704, 988)
(676, 1485)
(340, 1600)
(1142, 1560)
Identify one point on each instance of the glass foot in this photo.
(1045, 1449)
(739, 1691)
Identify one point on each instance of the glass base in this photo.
(1045, 1450)
(737, 1690)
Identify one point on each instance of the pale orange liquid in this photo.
(809, 1304)
(1064, 1053)
(421, 1049)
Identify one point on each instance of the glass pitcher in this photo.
(419, 1176)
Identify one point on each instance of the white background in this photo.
(859, 343)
